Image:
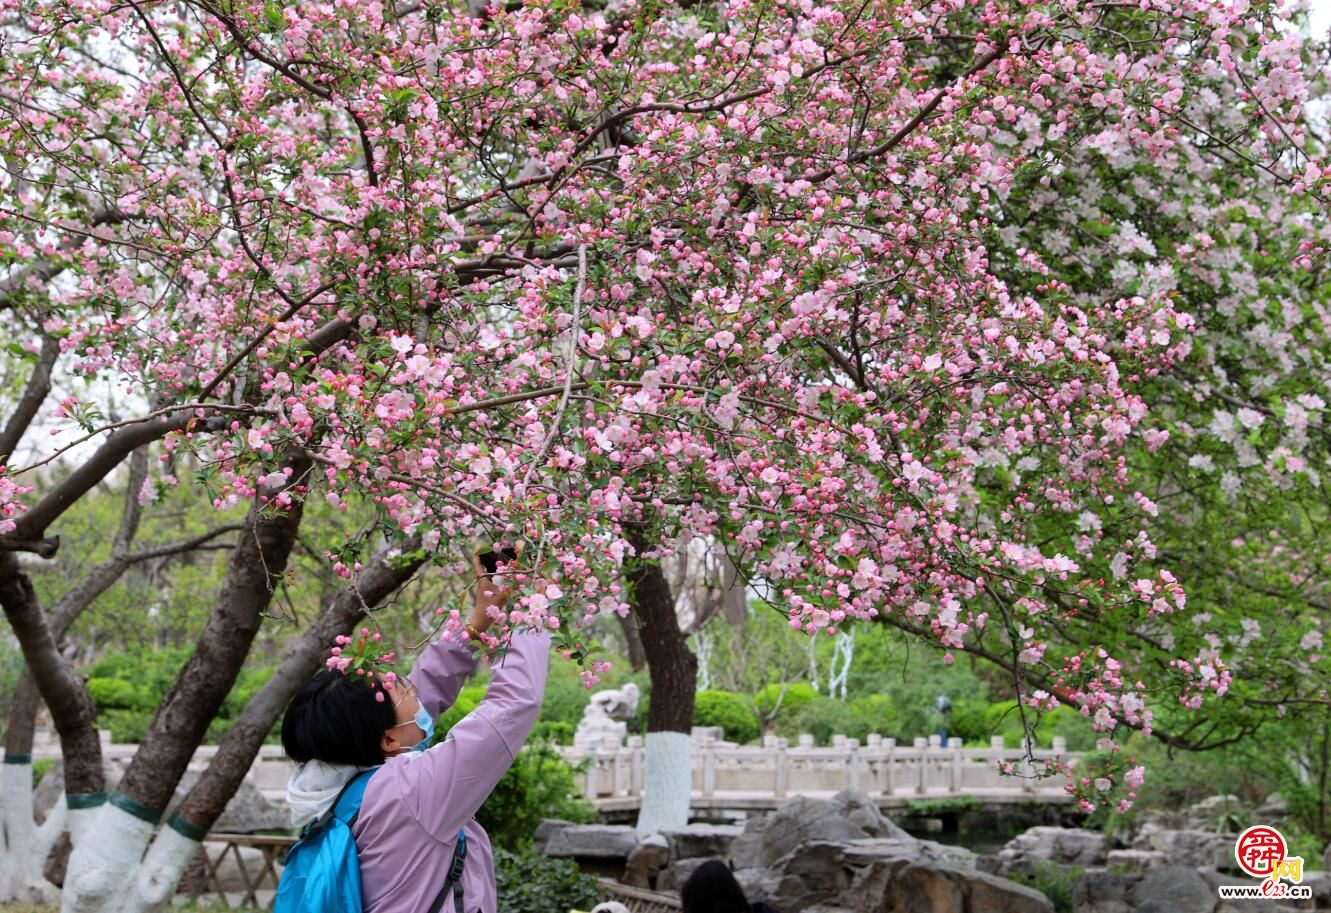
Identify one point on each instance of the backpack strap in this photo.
(346, 807)
(454, 880)
(347, 804)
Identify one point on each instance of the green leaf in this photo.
(276, 21)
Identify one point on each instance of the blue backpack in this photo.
(322, 872)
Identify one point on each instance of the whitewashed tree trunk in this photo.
(667, 783)
(24, 846)
(118, 865)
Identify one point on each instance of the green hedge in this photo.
(469, 699)
(734, 713)
(797, 695)
(528, 883)
(539, 785)
(127, 689)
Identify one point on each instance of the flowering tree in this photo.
(604, 279)
(1226, 474)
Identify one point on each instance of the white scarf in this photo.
(315, 786)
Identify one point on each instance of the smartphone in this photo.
(490, 559)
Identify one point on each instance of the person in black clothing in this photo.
(713, 889)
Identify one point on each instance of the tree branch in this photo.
(257, 565)
(381, 577)
(34, 394)
(71, 707)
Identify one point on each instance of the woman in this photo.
(713, 889)
(417, 803)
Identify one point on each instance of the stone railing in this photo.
(776, 769)
(270, 771)
(879, 767)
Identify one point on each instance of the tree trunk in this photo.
(104, 866)
(63, 692)
(152, 882)
(26, 846)
(674, 675)
(633, 639)
(30, 403)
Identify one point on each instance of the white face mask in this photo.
(426, 724)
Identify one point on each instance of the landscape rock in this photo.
(247, 812)
(847, 816)
(865, 852)
(991, 894)
(1136, 861)
(911, 888)
(812, 874)
(857, 808)
(697, 840)
(923, 889)
(1187, 847)
(674, 875)
(646, 862)
(1320, 882)
(1215, 879)
(1216, 813)
(1173, 889)
(757, 884)
(593, 842)
(746, 852)
(545, 830)
(1058, 845)
(1273, 810)
(1102, 892)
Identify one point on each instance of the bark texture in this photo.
(633, 638)
(671, 665)
(30, 403)
(257, 565)
(63, 692)
(302, 659)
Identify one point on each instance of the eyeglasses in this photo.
(409, 689)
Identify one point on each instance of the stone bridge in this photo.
(734, 781)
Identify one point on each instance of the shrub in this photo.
(734, 713)
(529, 883)
(469, 699)
(1004, 718)
(556, 731)
(1053, 881)
(539, 785)
(967, 720)
(823, 717)
(127, 689)
(871, 713)
(796, 696)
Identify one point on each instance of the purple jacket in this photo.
(416, 803)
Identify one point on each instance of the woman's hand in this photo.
(488, 595)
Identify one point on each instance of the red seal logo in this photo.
(1259, 850)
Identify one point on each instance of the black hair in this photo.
(713, 889)
(337, 720)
